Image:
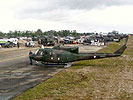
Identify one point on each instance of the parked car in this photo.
(30, 44)
(50, 43)
(8, 45)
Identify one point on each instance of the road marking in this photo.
(18, 57)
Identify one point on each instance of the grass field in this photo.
(101, 79)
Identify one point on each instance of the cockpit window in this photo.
(41, 53)
(38, 52)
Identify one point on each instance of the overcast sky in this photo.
(80, 15)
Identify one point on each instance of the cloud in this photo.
(64, 11)
(80, 15)
(42, 6)
(91, 4)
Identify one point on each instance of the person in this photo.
(30, 53)
(63, 43)
(18, 44)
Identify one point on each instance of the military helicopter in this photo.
(63, 55)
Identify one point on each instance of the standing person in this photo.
(18, 44)
(63, 43)
(30, 54)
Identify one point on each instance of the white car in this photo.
(30, 44)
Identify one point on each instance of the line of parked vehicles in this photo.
(94, 39)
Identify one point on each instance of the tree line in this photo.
(38, 33)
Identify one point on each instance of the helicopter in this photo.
(63, 55)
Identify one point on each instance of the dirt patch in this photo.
(104, 85)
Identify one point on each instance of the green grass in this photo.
(99, 79)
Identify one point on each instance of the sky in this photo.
(79, 15)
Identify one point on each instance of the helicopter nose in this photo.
(35, 57)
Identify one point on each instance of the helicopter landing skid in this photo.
(46, 64)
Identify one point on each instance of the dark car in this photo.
(50, 43)
(46, 42)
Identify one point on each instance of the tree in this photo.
(74, 33)
(1, 34)
(39, 32)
